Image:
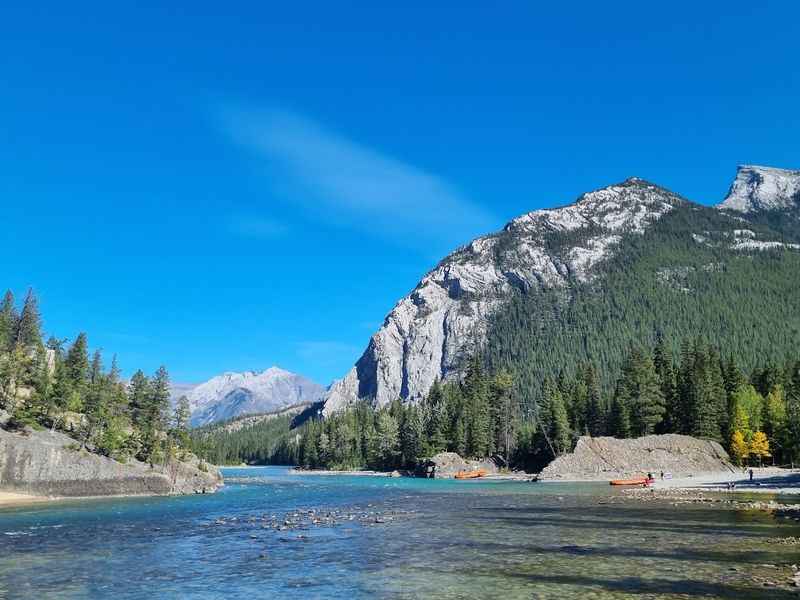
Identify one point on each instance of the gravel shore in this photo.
(766, 480)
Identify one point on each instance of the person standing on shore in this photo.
(751, 474)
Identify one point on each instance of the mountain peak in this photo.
(232, 394)
(758, 188)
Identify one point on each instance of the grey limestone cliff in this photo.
(51, 464)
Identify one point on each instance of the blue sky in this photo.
(219, 186)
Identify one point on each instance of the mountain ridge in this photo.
(446, 317)
(232, 394)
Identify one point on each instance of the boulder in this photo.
(610, 458)
(445, 465)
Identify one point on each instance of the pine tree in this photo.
(665, 370)
(180, 422)
(411, 436)
(159, 399)
(29, 333)
(560, 435)
(793, 412)
(476, 394)
(641, 392)
(8, 322)
(388, 440)
(77, 363)
(619, 419)
(505, 412)
(596, 413)
(435, 418)
(138, 398)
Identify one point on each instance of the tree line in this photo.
(58, 386)
(697, 393)
(475, 417)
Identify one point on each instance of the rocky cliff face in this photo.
(234, 394)
(763, 189)
(47, 463)
(431, 331)
(606, 458)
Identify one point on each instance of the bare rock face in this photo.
(430, 332)
(762, 189)
(52, 464)
(605, 458)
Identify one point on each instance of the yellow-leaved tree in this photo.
(759, 445)
(739, 447)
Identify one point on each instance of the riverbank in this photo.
(13, 499)
(766, 480)
(510, 476)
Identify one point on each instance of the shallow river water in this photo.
(391, 538)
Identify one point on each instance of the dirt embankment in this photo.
(609, 458)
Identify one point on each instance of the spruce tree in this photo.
(77, 363)
(29, 328)
(8, 322)
(138, 398)
(411, 436)
(641, 391)
(560, 434)
(596, 413)
(619, 418)
(435, 419)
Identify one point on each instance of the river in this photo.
(392, 538)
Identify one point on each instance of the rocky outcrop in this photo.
(52, 464)
(430, 332)
(605, 458)
(445, 465)
(763, 189)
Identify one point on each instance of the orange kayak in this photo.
(636, 481)
(471, 474)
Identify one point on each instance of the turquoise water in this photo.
(393, 538)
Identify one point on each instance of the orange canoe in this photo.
(636, 481)
(471, 474)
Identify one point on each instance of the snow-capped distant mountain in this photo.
(762, 189)
(233, 394)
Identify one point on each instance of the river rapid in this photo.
(273, 534)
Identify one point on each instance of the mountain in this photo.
(587, 280)
(766, 195)
(234, 394)
(759, 189)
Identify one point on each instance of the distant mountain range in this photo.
(583, 282)
(232, 395)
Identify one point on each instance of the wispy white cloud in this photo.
(341, 180)
(328, 353)
(256, 227)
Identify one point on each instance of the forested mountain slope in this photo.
(556, 287)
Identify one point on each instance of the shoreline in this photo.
(14, 499)
(522, 477)
(17, 499)
(766, 480)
